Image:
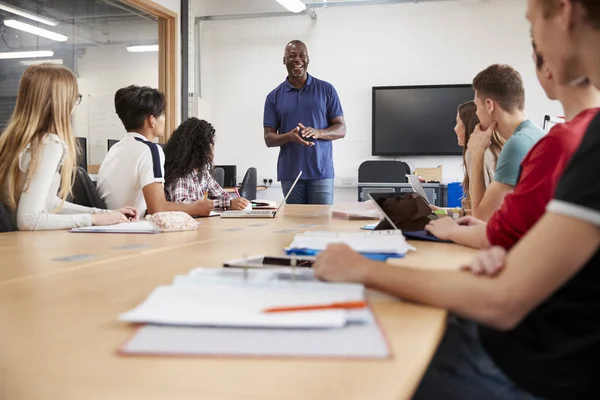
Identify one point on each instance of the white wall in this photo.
(355, 48)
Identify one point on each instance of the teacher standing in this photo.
(303, 115)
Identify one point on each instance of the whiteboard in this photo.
(104, 124)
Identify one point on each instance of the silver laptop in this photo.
(417, 187)
(260, 213)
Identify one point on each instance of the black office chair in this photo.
(5, 223)
(248, 187)
(84, 191)
(218, 175)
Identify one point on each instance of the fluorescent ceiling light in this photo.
(25, 54)
(25, 14)
(12, 23)
(294, 6)
(36, 62)
(142, 49)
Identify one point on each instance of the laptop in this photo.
(418, 235)
(248, 213)
(417, 187)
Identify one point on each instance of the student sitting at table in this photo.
(500, 101)
(189, 161)
(466, 121)
(540, 171)
(133, 170)
(38, 162)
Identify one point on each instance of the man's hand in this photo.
(469, 220)
(239, 203)
(310, 132)
(441, 228)
(487, 262)
(480, 139)
(202, 208)
(295, 137)
(339, 263)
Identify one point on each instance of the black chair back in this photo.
(5, 222)
(84, 191)
(248, 188)
(219, 176)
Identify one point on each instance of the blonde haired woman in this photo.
(38, 155)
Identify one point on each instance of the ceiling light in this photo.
(142, 49)
(37, 62)
(12, 23)
(25, 14)
(294, 6)
(25, 54)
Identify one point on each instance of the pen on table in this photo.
(348, 305)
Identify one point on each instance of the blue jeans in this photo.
(461, 369)
(309, 191)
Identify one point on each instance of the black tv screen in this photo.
(417, 120)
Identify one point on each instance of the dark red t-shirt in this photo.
(541, 169)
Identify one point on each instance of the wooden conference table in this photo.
(61, 293)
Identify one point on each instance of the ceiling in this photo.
(84, 22)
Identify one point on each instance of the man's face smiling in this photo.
(296, 60)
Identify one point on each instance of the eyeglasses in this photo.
(78, 100)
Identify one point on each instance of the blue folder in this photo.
(424, 235)
(371, 256)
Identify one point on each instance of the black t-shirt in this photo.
(555, 351)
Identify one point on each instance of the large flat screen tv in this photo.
(417, 120)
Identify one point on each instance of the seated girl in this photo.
(39, 156)
(466, 121)
(188, 165)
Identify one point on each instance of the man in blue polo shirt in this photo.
(303, 116)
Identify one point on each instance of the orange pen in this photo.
(345, 305)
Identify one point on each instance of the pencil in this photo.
(345, 305)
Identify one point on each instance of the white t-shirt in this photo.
(38, 203)
(130, 165)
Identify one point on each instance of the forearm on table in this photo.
(474, 236)
(469, 296)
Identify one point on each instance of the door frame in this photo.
(167, 57)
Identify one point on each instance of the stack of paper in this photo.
(237, 298)
(379, 245)
(125, 227)
(222, 312)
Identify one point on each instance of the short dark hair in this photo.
(134, 104)
(189, 149)
(503, 84)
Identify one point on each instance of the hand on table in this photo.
(487, 262)
(441, 228)
(339, 263)
(239, 203)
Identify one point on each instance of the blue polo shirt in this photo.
(314, 106)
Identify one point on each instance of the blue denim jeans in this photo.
(461, 369)
(309, 191)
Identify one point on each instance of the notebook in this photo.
(363, 340)
(144, 227)
(235, 298)
(384, 243)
